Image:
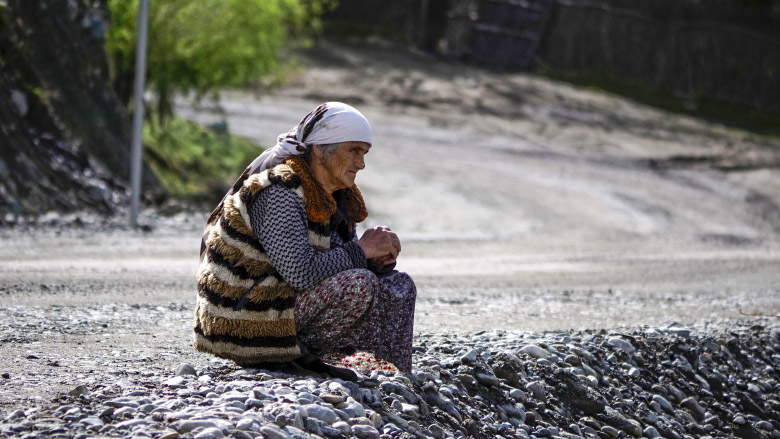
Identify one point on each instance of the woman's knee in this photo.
(360, 285)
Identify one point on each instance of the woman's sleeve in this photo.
(278, 218)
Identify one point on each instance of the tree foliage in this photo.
(206, 44)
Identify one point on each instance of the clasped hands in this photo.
(380, 244)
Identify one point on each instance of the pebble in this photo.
(365, 432)
(518, 395)
(273, 432)
(651, 433)
(210, 433)
(664, 403)
(16, 414)
(324, 414)
(343, 427)
(460, 387)
(470, 357)
(535, 351)
(186, 369)
(177, 381)
(623, 345)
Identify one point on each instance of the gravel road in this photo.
(523, 205)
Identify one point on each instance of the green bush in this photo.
(195, 163)
(201, 46)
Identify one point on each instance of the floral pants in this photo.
(355, 312)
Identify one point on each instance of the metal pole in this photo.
(138, 113)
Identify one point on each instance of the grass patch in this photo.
(195, 164)
(700, 106)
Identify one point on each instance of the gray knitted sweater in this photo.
(279, 220)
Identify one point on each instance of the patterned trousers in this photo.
(356, 311)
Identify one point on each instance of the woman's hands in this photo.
(380, 244)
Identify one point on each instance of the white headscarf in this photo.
(331, 122)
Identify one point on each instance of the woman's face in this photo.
(341, 166)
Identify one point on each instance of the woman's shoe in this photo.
(314, 364)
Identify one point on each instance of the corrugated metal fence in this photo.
(687, 47)
(687, 57)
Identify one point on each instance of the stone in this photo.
(122, 402)
(131, 423)
(234, 396)
(16, 414)
(124, 412)
(356, 408)
(693, 406)
(452, 411)
(210, 433)
(487, 379)
(621, 344)
(436, 431)
(330, 431)
(187, 426)
(245, 424)
(535, 351)
(186, 369)
(331, 398)
(680, 332)
(324, 414)
(651, 433)
(273, 432)
(343, 427)
(91, 422)
(80, 390)
(400, 422)
(176, 381)
(365, 432)
(664, 403)
(314, 426)
(470, 357)
(410, 410)
(537, 390)
(518, 395)
(611, 431)
(263, 394)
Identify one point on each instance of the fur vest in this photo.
(245, 310)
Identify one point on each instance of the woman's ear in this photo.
(318, 154)
(316, 151)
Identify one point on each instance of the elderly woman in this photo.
(282, 275)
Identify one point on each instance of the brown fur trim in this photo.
(320, 205)
(212, 325)
(246, 356)
(356, 208)
(235, 219)
(253, 267)
(258, 295)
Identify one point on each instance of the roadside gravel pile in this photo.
(708, 381)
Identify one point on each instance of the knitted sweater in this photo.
(278, 218)
(245, 307)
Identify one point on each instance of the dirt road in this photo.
(522, 204)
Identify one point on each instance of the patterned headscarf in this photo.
(331, 122)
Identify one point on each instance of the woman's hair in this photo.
(326, 149)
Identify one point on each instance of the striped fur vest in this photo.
(245, 310)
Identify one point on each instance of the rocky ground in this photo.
(713, 381)
(586, 266)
